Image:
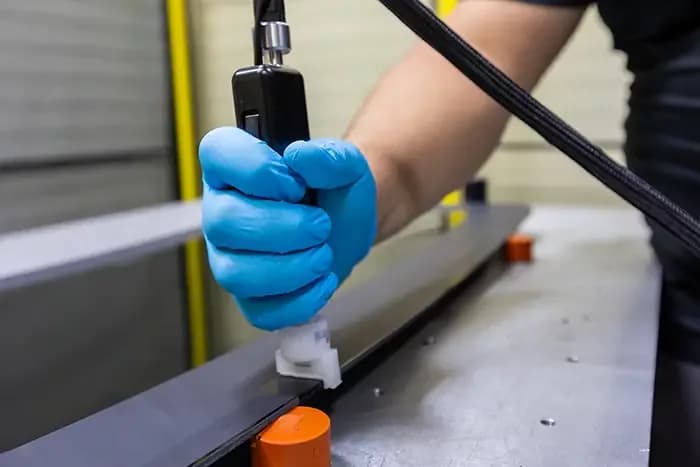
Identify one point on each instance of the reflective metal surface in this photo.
(494, 387)
(277, 41)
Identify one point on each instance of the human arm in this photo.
(283, 260)
(426, 129)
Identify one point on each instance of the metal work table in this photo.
(569, 338)
(552, 365)
(208, 415)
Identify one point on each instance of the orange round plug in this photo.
(299, 438)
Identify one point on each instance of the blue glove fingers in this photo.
(230, 157)
(346, 190)
(325, 163)
(354, 222)
(246, 274)
(281, 311)
(234, 221)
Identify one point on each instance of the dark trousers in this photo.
(663, 147)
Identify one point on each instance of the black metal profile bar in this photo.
(204, 414)
(82, 245)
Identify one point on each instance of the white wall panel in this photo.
(587, 86)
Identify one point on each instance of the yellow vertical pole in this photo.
(445, 7)
(452, 201)
(188, 170)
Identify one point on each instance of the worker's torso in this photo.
(648, 30)
(662, 41)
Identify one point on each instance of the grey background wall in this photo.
(84, 130)
(342, 48)
(84, 105)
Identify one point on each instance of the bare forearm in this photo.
(426, 129)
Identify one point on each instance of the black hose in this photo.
(261, 6)
(422, 21)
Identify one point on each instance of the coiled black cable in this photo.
(422, 21)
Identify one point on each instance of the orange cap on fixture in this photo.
(519, 248)
(299, 438)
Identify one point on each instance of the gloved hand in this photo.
(283, 260)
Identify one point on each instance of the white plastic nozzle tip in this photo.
(305, 352)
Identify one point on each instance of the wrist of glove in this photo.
(283, 260)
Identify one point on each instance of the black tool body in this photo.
(269, 98)
(270, 104)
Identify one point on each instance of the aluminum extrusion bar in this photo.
(203, 414)
(44, 253)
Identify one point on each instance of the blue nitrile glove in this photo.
(283, 260)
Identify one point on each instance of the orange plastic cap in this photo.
(519, 248)
(299, 438)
